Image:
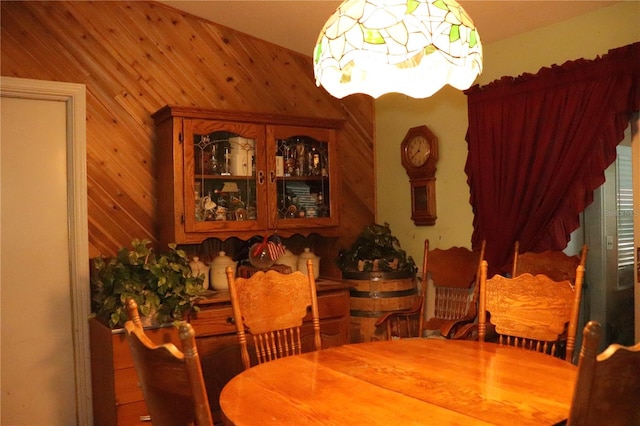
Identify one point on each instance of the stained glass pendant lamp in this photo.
(413, 47)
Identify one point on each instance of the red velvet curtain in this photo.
(539, 145)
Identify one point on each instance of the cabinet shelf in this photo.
(303, 178)
(224, 177)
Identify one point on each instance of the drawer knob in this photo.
(231, 320)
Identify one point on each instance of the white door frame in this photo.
(74, 97)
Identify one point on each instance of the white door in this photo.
(43, 283)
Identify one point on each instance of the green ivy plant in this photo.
(161, 283)
(375, 247)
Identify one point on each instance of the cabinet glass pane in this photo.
(225, 185)
(302, 175)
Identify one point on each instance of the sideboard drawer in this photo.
(133, 414)
(127, 386)
(121, 352)
(211, 321)
(333, 305)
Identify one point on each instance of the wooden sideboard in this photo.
(117, 396)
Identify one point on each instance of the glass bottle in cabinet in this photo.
(304, 187)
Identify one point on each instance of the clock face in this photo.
(418, 151)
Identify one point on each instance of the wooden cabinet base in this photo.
(117, 396)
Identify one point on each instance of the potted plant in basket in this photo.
(375, 249)
(161, 283)
(382, 279)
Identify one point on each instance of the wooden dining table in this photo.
(404, 382)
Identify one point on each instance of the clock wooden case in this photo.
(419, 154)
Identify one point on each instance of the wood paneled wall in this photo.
(134, 58)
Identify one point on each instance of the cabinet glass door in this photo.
(304, 162)
(225, 176)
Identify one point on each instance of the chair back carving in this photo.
(171, 380)
(607, 390)
(451, 276)
(269, 307)
(555, 264)
(530, 311)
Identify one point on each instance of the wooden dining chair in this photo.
(450, 277)
(404, 323)
(607, 389)
(555, 264)
(530, 311)
(270, 308)
(171, 380)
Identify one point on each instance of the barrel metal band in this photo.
(369, 314)
(383, 294)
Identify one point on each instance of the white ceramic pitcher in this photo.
(218, 274)
(302, 262)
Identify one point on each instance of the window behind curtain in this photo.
(624, 216)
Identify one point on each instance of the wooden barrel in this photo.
(372, 295)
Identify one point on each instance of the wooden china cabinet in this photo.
(227, 174)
